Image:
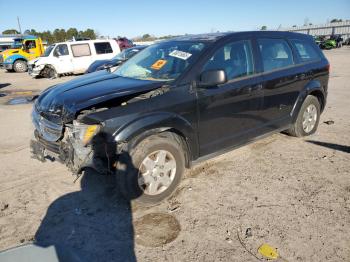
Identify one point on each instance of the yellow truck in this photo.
(23, 50)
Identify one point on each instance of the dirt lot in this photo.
(293, 194)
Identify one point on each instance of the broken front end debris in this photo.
(76, 145)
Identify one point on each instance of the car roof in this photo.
(137, 47)
(84, 41)
(200, 37)
(213, 37)
(26, 37)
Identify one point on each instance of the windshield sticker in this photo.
(180, 54)
(158, 64)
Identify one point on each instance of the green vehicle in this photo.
(328, 44)
(324, 43)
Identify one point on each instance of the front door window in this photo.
(235, 59)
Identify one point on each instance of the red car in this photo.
(124, 43)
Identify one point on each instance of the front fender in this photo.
(313, 87)
(159, 122)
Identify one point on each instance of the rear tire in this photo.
(308, 118)
(150, 172)
(20, 66)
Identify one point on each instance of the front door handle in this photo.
(259, 86)
(252, 89)
(301, 76)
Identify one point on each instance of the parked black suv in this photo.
(181, 101)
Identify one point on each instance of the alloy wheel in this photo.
(309, 118)
(157, 172)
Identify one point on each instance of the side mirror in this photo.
(212, 78)
(55, 54)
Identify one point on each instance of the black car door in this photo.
(229, 114)
(282, 82)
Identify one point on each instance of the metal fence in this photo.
(338, 28)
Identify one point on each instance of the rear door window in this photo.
(275, 53)
(103, 48)
(79, 50)
(305, 50)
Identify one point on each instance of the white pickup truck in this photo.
(72, 57)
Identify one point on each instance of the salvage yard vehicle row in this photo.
(72, 57)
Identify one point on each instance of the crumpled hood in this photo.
(65, 100)
(33, 61)
(42, 60)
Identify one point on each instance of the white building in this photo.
(337, 28)
(6, 41)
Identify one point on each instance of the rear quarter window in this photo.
(103, 48)
(305, 50)
(79, 50)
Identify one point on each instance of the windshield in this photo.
(48, 50)
(162, 62)
(17, 43)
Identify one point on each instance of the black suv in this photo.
(181, 101)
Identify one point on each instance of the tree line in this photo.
(57, 35)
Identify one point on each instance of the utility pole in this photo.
(19, 25)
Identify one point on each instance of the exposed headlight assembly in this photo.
(85, 133)
(39, 67)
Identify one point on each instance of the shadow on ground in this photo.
(337, 147)
(95, 223)
(2, 85)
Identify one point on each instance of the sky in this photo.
(159, 18)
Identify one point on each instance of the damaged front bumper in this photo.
(60, 151)
(56, 141)
(34, 71)
(75, 158)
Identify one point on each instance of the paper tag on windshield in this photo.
(180, 54)
(158, 64)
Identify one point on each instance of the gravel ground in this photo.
(293, 194)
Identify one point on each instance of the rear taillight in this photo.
(328, 67)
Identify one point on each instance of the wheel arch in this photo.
(141, 128)
(49, 66)
(16, 57)
(313, 88)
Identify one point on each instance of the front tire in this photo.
(308, 118)
(150, 172)
(49, 72)
(20, 66)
